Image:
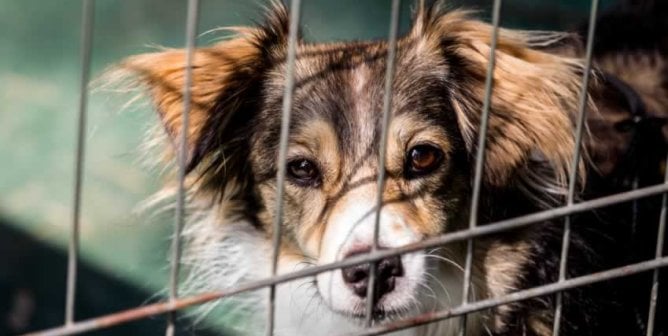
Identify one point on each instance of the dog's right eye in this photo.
(304, 172)
(422, 160)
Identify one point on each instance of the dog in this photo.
(437, 102)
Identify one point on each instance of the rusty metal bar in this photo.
(480, 158)
(87, 22)
(283, 152)
(182, 158)
(382, 152)
(478, 231)
(526, 294)
(166, 307)
(573, 173)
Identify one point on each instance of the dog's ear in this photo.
(214, 72)
(534, 98)
(224, 76)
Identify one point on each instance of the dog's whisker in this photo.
(435, 302)
(442, 286)
(446, 260)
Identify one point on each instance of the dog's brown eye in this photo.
(304, 172)
(423, 159)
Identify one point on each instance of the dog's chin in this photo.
(378, 315)
(358, 314)
(357, 311)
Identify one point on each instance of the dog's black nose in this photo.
(357, 277)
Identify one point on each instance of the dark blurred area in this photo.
(32, 290)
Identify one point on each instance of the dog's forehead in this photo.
(362, 66)
(344, 85)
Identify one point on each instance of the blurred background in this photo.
(124, 252)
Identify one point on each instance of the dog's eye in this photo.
(423, 159)
(304, 172)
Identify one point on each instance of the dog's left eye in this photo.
(304, 172)
(422, 160)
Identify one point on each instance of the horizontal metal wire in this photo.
(526, 294)
(166, 307)
(479, 231)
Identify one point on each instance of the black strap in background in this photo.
(633, 101)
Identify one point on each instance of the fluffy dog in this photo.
(438, 91)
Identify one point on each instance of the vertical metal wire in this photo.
(572, 178)
(182, 156)
(295, 8)
(661, 234)
(87, 20)
(480, 158)
(387, 114)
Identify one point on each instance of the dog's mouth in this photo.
(358, 312)
(356, 309)
(378, 314)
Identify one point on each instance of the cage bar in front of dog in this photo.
(175, 303)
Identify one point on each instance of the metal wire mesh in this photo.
(462, 235)
(174, 303)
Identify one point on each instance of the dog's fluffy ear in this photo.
(222, 77)
(534, 100)
(213, 71)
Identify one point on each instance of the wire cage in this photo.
(474, 230)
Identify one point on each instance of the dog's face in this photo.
(333, 164)
(333, 153)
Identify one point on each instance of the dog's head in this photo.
(333, 151)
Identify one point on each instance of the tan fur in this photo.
(497, 268)
(164, 74)
(534, 99)
(406, 132)
(318, 139)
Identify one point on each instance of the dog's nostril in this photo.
(356, 274)
(390, 267)
(357, 277)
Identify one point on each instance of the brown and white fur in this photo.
(437, 100)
